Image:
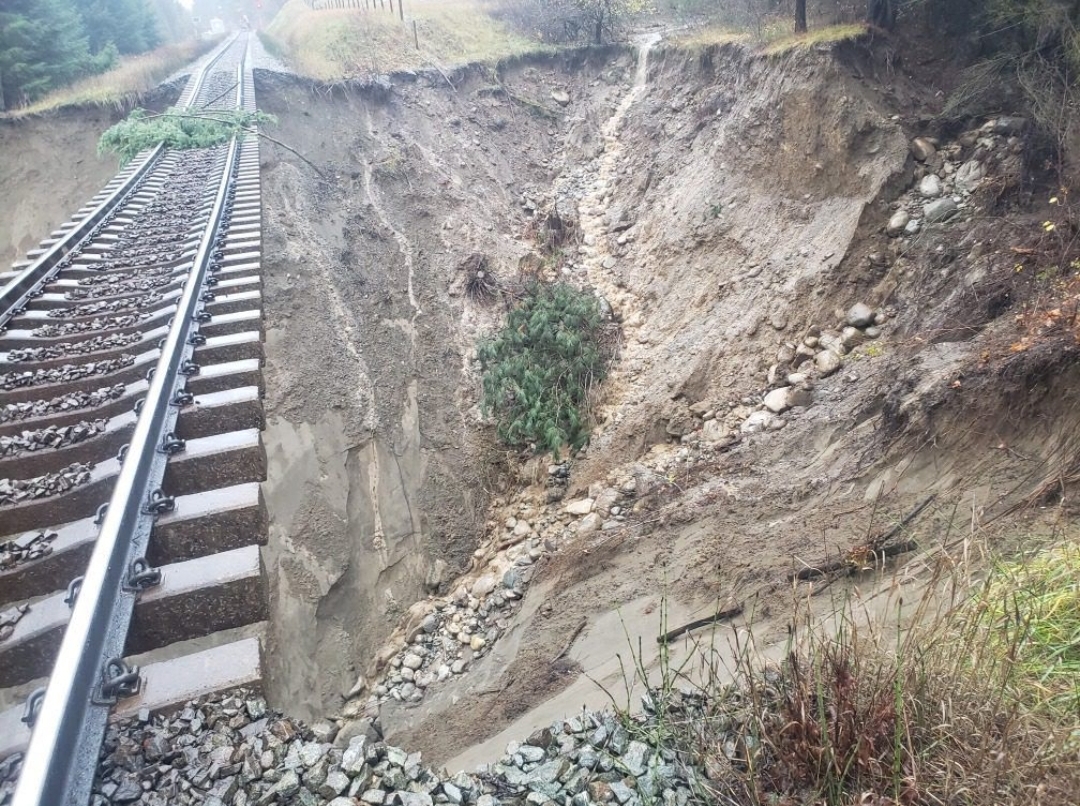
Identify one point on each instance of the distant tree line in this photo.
(569, 21)
(45, 44)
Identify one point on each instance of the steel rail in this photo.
(15, 296)
(204, 71)
(89, 674)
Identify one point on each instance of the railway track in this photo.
(130, 454)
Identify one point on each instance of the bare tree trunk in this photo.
(881, 13)
(800, 16)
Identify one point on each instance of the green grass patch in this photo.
(1030, 612)
(337, 44)
(539, 369)
(122, 86)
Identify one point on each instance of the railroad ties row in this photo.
(73, 366)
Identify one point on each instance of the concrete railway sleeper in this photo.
(131, 512)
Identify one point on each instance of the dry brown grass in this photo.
(704, 36)
(776, 41)
(772, 39)
(970, 696)
(337, 44)
(123, 86)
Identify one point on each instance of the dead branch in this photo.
(723, 615)
(873, 550)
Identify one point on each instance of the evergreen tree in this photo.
(539, 368)
(42, 46)
(130, 25)
(173, 21)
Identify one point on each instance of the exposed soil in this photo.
(50, 168)
(379, 484)
(53, 162)
(724, 205)
(727, 204)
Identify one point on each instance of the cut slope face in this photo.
(730, 210)
(49, 168)
(378, 485)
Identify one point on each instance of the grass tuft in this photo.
(779, 44)
(1030, 613)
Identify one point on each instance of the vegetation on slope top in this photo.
(47, 44)
(123, 85)
(336, 44)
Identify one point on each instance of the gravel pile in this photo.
(114, 286)
(72, 401)
(14, 491)
(219, 89)
(232, 751)
(108, 306)
(457, 633)
(97, 344)
(139, 239)
(137, 258)
(53, 436)
(110, 323)
(64, 374)
(27, 547)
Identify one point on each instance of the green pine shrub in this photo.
(538, 370)
(179, 130)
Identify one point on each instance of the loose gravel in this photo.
(233, 751)
(70, 402)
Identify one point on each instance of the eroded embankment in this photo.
(378, 484)
(730, 209)
(49, 167)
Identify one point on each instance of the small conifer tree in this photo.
(537, 371)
